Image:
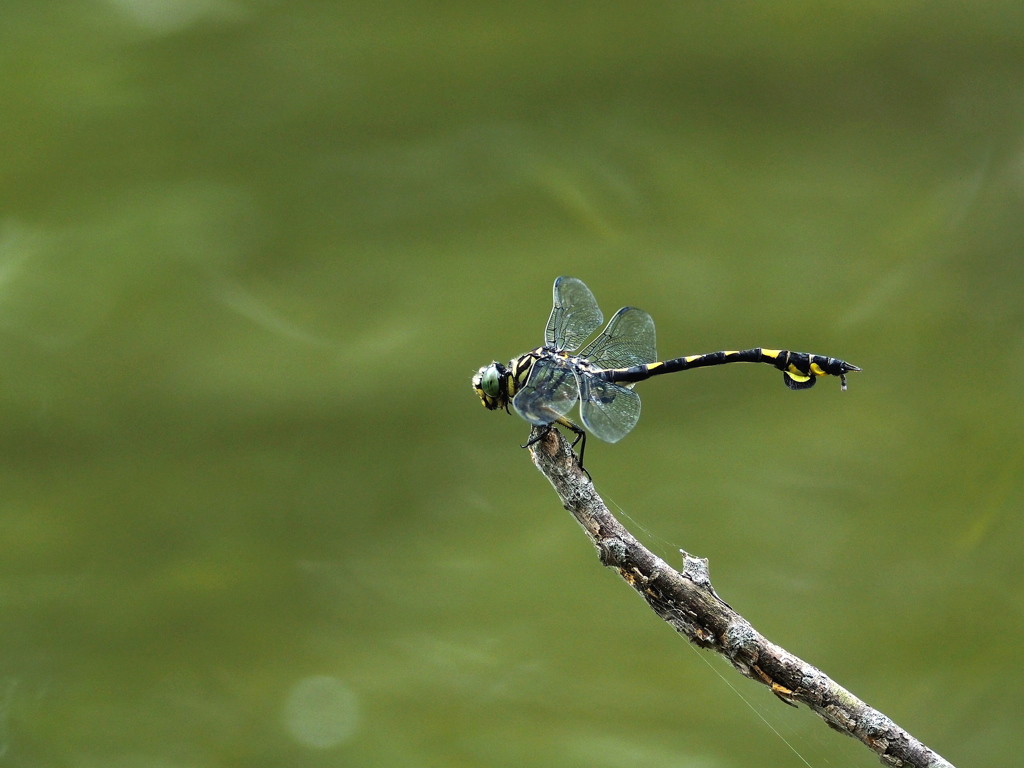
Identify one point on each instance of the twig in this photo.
(689, 603)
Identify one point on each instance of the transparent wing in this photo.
(549, 393)
(574, 316)
(608, 410)
(627, 340)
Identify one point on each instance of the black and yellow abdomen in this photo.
(799, 369)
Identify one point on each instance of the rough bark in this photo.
(688, 602)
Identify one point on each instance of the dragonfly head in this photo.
(491, 386)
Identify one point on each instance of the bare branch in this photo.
(688, 602)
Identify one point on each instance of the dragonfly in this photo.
(544, 384)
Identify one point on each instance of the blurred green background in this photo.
(251, 512)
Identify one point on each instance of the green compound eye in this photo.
(490, 382)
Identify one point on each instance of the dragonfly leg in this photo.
(581, 439)
(539, 436)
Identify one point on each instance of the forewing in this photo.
(628, 340)
(608, 410)
(574, 316)
(549, 393)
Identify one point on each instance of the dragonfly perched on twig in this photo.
(544, 384)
